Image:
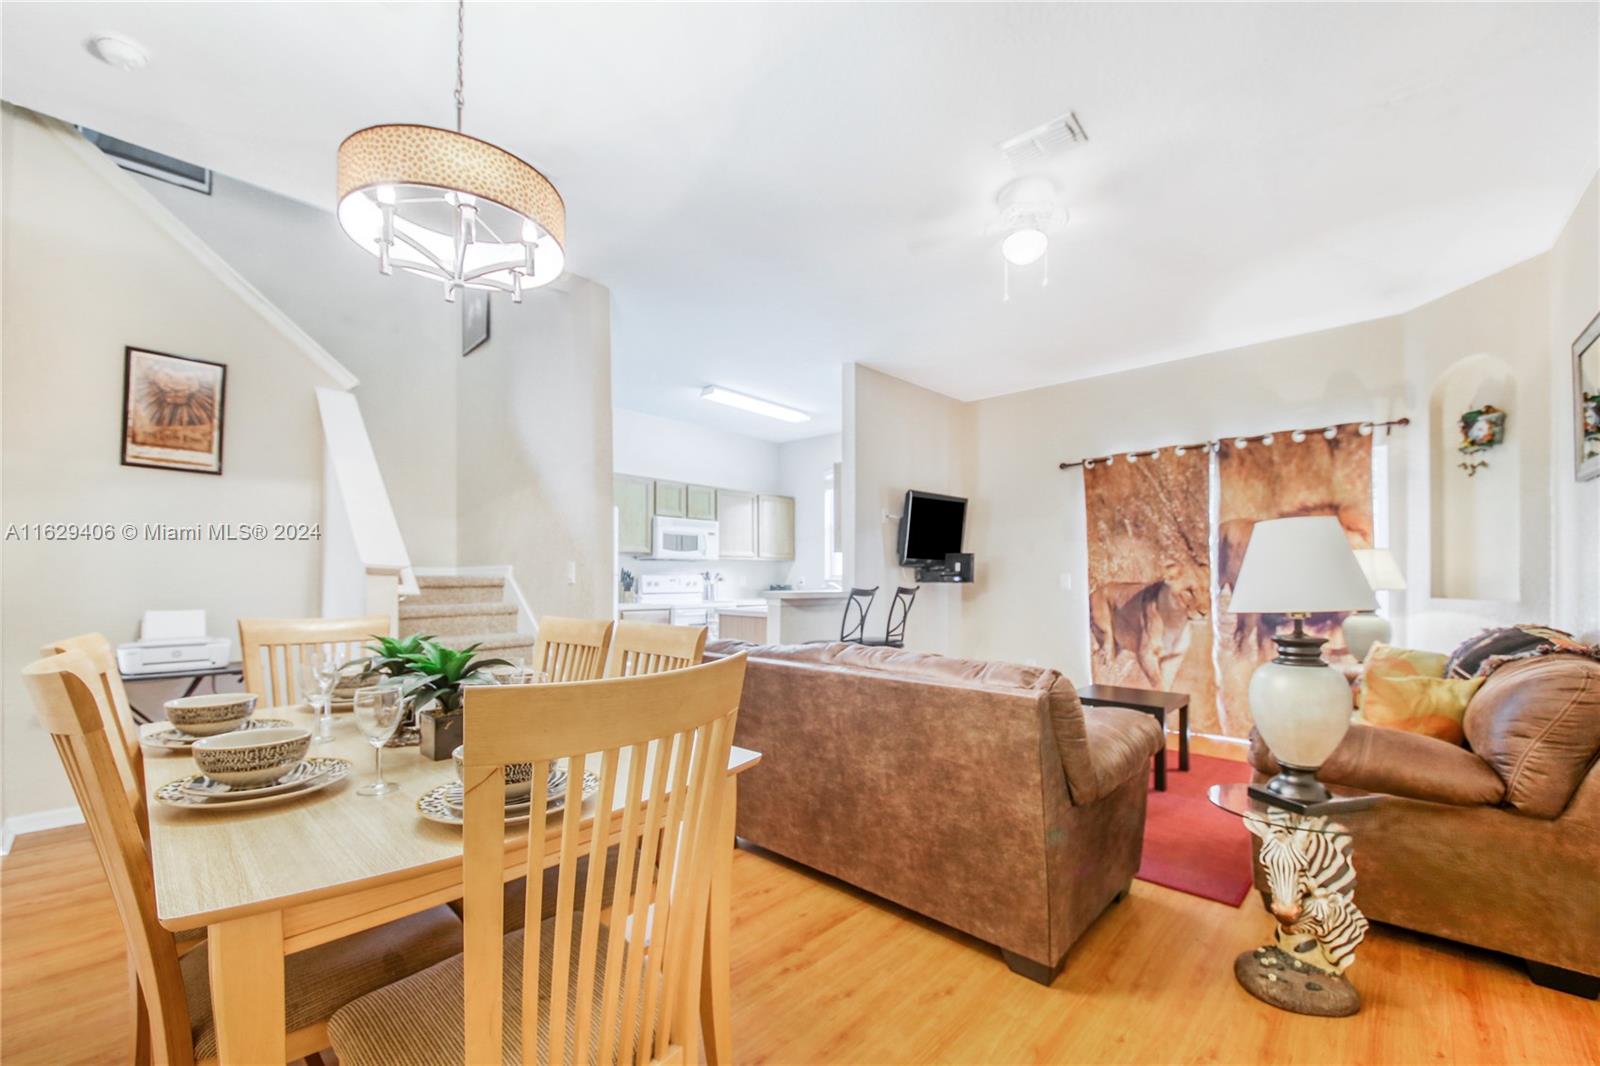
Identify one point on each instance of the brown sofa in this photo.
(979, 794)
(1496, 843)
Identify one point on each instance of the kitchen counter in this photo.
(742, 612)
(807, 594)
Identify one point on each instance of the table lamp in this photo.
(1365, 628)
(1301, 705)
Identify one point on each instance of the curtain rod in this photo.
(1298, 434)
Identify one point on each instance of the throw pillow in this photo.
(1476, 656)
(1432, 706)
(1391, 661)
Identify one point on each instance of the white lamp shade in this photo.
(1383, 573)
(1300, 566)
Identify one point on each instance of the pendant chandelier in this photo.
(448, 206)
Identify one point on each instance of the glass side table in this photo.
(1311, 881)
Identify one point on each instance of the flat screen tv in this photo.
(930, 527)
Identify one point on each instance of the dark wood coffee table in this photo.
(1151, 702)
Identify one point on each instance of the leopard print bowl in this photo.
(205, 716)
(519, 777)
(251, 757)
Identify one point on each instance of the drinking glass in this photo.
(377, 714)
(310, 681)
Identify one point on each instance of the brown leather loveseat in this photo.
(979, 794)
(1496, 843)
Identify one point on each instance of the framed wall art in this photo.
(1586, 400)
(172, 409)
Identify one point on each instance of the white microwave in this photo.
(683, 538)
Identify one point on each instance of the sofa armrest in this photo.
(1121, 744)
(1398, 763)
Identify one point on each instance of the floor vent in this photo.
(150, 163)
(1042, 142)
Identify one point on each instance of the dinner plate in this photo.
(435, 806)
(174, 739)
(306, 771)
(331, 769)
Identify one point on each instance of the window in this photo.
(832, 557)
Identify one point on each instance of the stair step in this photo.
(455, 619)
(459, 589)
(496, 644)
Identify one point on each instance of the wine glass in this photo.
(377, 714)
(310, 682)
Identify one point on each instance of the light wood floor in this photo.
(824, 974)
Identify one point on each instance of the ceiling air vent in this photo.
(1042, 142)
(150, 163)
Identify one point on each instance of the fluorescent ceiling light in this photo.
(718, 394)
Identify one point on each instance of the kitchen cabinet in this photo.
(634, 507)
(701, 503)
(736, 524)
(672, 499)
(742, 626)
(775, 527)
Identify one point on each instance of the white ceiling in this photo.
(773, 190)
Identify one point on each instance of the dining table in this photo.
(268, 881)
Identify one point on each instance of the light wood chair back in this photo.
(651, 647)
(121, 725)
(67, 692)
(571, 649)
(272, 650)
(665, 739)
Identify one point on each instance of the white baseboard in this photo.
(37, 822)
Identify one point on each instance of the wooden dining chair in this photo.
(120, 724)
(572, 649)
(272, 650)
(571, 989)
(651, 647)
(853, 627)
(894, 630)
(67, 694)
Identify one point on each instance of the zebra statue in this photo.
(1311, 882)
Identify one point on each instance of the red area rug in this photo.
(1190, 845)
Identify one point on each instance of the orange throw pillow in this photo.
(1406, 689)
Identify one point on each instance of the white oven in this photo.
(683, 538)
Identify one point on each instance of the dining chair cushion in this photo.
(420, 1021)
(320, 980)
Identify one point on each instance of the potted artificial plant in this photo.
(437, 699)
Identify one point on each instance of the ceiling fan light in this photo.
(1023, 247)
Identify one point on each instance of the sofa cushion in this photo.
(1537, 723)
(1400, 764)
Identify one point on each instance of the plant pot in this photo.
(441, 733)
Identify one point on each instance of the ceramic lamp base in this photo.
(1364, 629)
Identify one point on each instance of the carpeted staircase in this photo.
(466, 610)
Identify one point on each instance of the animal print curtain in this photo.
(1322, 474)
(1152, 619)
(1150, 576)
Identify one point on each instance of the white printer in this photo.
(172, 641)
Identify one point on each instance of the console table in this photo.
(1151, 702)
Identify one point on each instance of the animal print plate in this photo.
(174, 739)
(435, 805)
(318, 773)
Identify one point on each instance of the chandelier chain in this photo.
(461, 61)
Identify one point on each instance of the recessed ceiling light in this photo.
(119, 52)
(729, 398)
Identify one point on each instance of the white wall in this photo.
(86, 271)
(898, 436)
(1484, 540)
(650, 446)
(397, 334)
(534, 452)
(804, 467)
(1574, 300)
